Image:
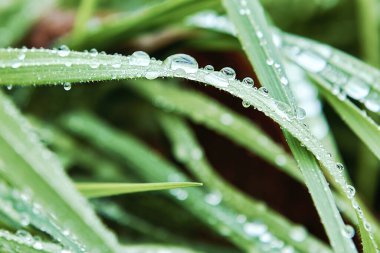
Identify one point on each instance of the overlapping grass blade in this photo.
(184, 145)
(255, 35)
(31, 168)
(96, 190)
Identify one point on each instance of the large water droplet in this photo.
(372, 102)
(63, 51)
(182, 61)
(139, 58)
(356, 88)
(311, 61)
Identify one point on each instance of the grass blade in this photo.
(255, 36)
(96, 190)
(32, 170)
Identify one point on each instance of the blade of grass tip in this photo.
(26, 164)
(96, 190)
(214, 115)
(209, 207)
(253, 32)
(24, 242)
(184, 145)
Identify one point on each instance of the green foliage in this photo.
(133, 136)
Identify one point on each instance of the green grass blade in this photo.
(214, 115)
(23, 242)
(185, 144)
(151, 167)
(96, 190)
(256, 38)
(33, 170)
(157, 248)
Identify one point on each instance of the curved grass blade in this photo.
(185, 144)
(214, 115)
(255, 36)
(106, 69)
(96, 190)
(27, 165)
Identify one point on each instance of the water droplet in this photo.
(209, 67)
(228, 72)
(241, 218)
(372, 102)
(63, 51)
(300, 113)
(356, 88)
(93, 52)
(94, 65)
(248, 82)
(16, 64)
(216, 78)
(226, 119)
(348, 231)
(255, 229)
(213, 198)
(139, 58)
(21, 56)
(350, 190)
(116, 65)
(280, 160)
(298, 233)
(284, 80)
(180, 194)
(311, 61)
(182, 61)
(9, 87)
(270, 61)
(245, 104)
(339, 167)
(264, 91)
(152, 74)
(37, 245)
(67, 86)
(196, 154)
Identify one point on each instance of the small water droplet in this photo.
(350, 190)
(255, 229)
(9, 87)
(182, 61)
(94, 65)
(213, 198)
(63, 51)
(340, 167)
(248, 82)
(270, 61)
(139, 58)
(16, 64)
(93, 52)
(264, 91)
(298, 233)
(348, 231)
(152, 74)
(284, 80)
(226, 119)
(300, 113)
(245, 104)
(228, 72)
(21, 56)
(67, 86)
(209, 67)
(311, 61)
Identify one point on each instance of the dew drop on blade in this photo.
(228, 72)
(356, 88)
(63, 51)
(67, 86)
(248, 82)
(182, 61)
(139, 58)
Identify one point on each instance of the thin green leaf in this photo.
(96, 190)
(27, 165)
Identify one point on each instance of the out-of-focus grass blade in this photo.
(18, 17)
(30, 167)
(207, 111)
(96, 190)
(185, 144)
(157, 248)
(207, 207)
